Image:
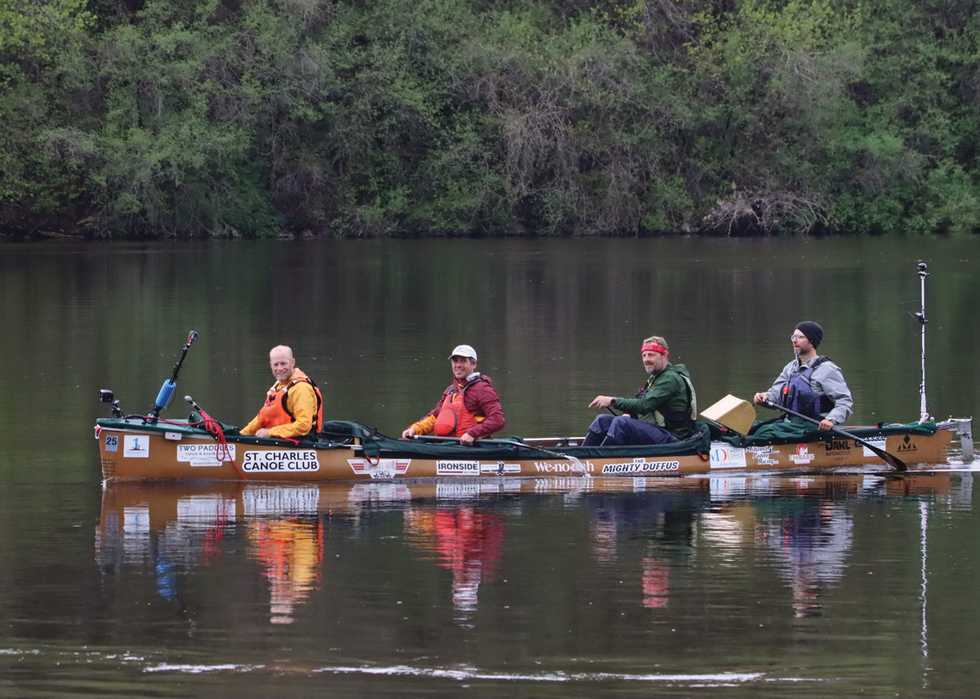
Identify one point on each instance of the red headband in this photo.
(653, 346)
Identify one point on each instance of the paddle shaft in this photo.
(191, 336)
(890, 459)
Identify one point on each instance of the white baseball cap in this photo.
(463, 351)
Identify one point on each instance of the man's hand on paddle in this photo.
(466, 438)
(826, 424)
(759, 398)
(602, 401)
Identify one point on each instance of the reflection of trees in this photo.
(464, 541)
(290, 552)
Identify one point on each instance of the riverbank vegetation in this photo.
(181, 118)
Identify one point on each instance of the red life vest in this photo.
(453, 418)
(274, 411)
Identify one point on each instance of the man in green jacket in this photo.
(663, 410)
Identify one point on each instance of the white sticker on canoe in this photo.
(282, 461)
(724, 455)
(457, 468)
(112, 442)
(640, 465)
(380, 470)
(802, 455)
(205, 454)
(877, 442)
(173, 436)
(764, 456)
(499, 468)
(136, 446)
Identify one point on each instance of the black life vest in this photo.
(798, 393)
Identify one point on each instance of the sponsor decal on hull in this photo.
(382, 470)
(640, 465)
(136, 446)
(724, 455)
(837, 445)
(500, 468)
(457, 468)
(563, 467)
(203, 455)
(802, 455)
(907, 445)
(764, 456)
(282, 461)
(877, 442)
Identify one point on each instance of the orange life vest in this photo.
(274, 411)
(453, 418)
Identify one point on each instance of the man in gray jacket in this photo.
(810, 384)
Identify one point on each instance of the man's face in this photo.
(801, 345)
(282, 364)
(653, 361)
(462, 367)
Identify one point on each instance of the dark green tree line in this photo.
(160, 118)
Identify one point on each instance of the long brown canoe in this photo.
(138, 448)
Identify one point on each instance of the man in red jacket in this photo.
(469, 408)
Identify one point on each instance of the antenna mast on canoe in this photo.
(921, 316)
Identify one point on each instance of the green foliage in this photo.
(253, 117)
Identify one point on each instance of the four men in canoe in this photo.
(663, 411)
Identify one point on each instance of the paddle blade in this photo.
(732, 412)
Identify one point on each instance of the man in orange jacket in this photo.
(469, 408)
(293, 404)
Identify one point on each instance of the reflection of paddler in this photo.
(464, 541)
(469, 544)
(464, 535)
(291, 552)
(655, 582)
(813, 541)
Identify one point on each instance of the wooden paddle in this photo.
(890, 459)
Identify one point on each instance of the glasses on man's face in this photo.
(797, 336)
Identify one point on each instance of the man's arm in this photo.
(252, 427)
(776, 389)
(832, 384)
(662, 390)
(487, 404)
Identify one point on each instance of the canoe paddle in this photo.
(166, 393)
(890, 459)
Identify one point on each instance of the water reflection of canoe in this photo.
(138, 449)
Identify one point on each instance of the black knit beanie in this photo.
(813, 331)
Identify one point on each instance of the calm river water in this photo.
(753, 586)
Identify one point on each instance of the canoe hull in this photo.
(130, 451)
